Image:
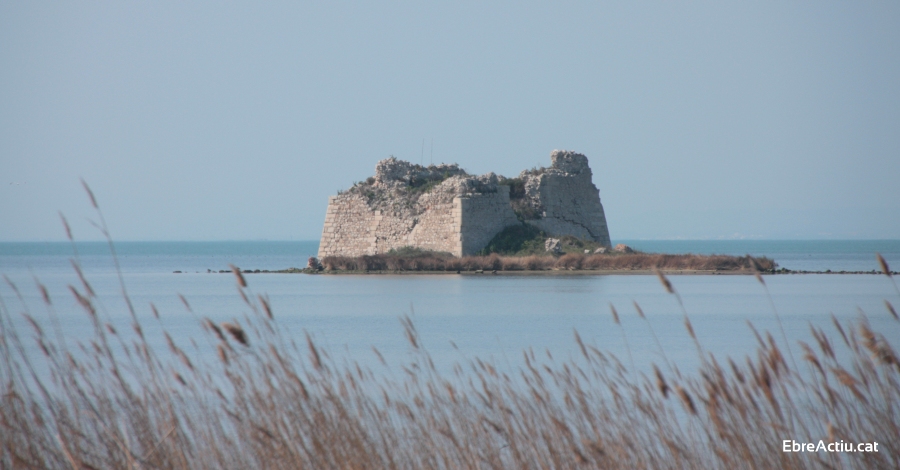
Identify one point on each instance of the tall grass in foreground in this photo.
(264, 401)
(267, 402)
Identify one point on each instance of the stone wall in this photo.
(437, 228)
(483, 216)
(350, 227)
(458, 216)
(441, 208)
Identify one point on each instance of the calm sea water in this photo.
(485, 316)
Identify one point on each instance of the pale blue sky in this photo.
(204, 121)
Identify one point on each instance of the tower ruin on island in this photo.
(442, 208)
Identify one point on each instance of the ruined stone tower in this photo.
(565, 197)
(442, 208)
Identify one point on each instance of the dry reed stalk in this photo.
(883, 264)
(686, 399)
(236, 332)
(661, 384)
(664, 281)
(264, 301)
(890, 309)
(237, 274)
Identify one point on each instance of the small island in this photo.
(570, 263)
(412, 218)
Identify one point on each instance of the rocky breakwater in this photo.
(442, 208)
